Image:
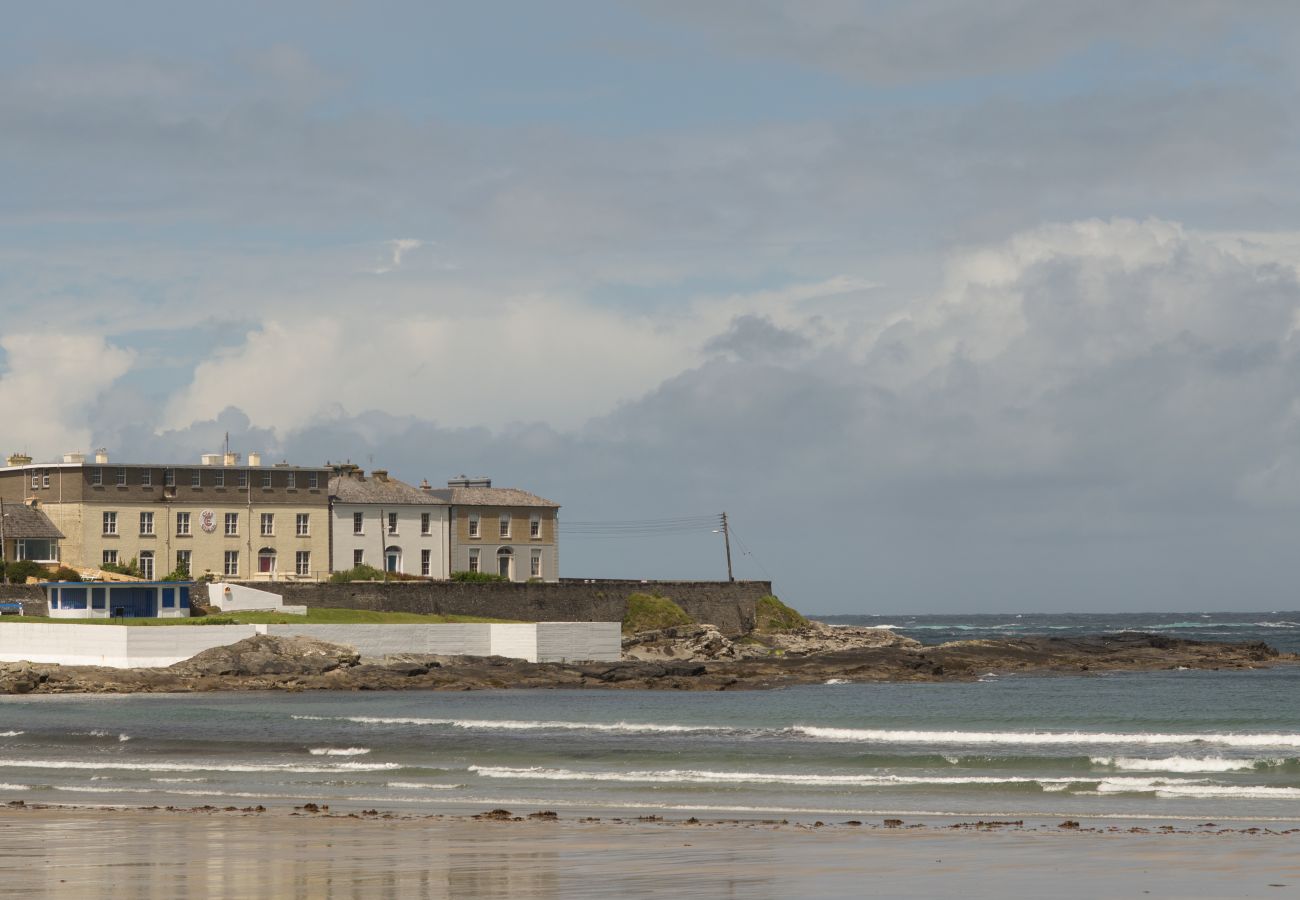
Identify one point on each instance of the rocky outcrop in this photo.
(263, 654)
(274, 663)
(681, 642)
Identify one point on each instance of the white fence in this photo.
(143, 646)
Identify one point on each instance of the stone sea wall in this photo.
(728, 605)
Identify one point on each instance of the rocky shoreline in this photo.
(686, 658)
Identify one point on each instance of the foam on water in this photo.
(904, 736)
(1186, 764)
(165, 766)
(522, 724)
(339, 751)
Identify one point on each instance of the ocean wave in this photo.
(162, 766)
(1189, 764)
(700, 776)
(15, 787)
(1042, 737)
(1179, 788)
(11, 733)
(524, 725)
(420, 785)
(339, 751)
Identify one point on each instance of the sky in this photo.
(951, 307)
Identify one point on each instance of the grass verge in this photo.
(315, 616)
(650, 612)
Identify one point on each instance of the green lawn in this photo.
(314, 617)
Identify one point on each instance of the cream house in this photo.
(233, 520)
(504, 531)
(385, 523)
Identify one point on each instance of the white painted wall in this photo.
(238, 597)
(376, 538)
(126, 647)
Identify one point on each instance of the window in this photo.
(302, 524)
(266, 478)
(96, 477)
(243, 478)
(291, 480)
(392, 523)
(146, 478)
(196, 478)
(535, 527)
(268, 524)
(121, 477)
(36, 479)
(110, 557)
(358, 521)
(146, 565)
(358, 558)
(302, 562)
(535, 567)
(183, 562)
(169, 478)
(504, 524)
(473, 527)
(45, 479)
(473, 560)
(232, 563)
(146, 523)
(219, 478)
(110, 523)
(183, 523)
(426, 561)
(313, 480)
(424, 523)
(232, 524)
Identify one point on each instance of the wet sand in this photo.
(76, 853)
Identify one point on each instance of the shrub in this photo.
(63, 573)
(18, 571)
(474, 577)
(177, 575)
(650, 612)
(357, 573)
(120, 569)
(771, 616)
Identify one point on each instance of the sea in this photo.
(1171, 746)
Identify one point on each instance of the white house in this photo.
(382, 522)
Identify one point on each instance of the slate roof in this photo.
(479, 496)
(23, 521)
(350, 489)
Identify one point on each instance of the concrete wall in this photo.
(118, 646)
(125, 647)
(728, 605)
(242, 598)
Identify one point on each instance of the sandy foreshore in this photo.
(207, 852)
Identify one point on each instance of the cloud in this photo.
(922, 40)
(50, 385)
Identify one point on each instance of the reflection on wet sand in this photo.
(180, 855)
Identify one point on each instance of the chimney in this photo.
(424, 485)
(101, 456)
(19, 459)
(75, 456)
(380, 475)
(254, 459)
(481, 481)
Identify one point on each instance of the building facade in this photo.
(230, 520)
(503, 531)
(385, 523)
(27, 533)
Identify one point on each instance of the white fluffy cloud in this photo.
(50, 383)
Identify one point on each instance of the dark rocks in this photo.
(266, 655)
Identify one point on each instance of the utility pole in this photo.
(726, 542)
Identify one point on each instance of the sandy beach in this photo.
(136, 853)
